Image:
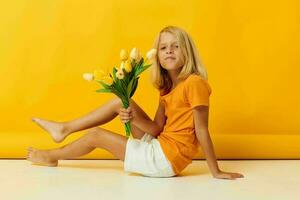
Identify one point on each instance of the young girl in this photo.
(162, 147)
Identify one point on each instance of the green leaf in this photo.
(104, 85)
(141, 61)
(123, 86)
(129, 88)
(117, 84)
(114, 74)
(143, 68)
(126, 77)
(134, 71)
(104, 90)
(134, 87)
(119, 89)
(117, 93)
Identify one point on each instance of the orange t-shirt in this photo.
(178, 139)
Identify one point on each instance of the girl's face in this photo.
(169, 52)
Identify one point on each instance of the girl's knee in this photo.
(93, 135)
(117, 102)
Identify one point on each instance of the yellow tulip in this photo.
(135, 54)
(123, 55)
(127, 66)
(98, 74)
(122, 65)
(107, 80)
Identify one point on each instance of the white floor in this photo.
(105, 179)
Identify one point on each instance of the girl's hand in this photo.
(125, 114)
(228, 175)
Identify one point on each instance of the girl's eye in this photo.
(177, 46)
(163, 48)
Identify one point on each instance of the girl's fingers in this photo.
(229, 175)
(239, 175)
(125, 111)
(236, 175)
(125, 116)
(123, 120)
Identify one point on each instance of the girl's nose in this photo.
(169, 51)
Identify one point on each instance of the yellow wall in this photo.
(250, 48)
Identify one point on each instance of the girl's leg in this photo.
(95, 138)
(60, 130)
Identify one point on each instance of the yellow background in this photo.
(250, 49)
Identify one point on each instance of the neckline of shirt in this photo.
(174, 88)
(180, 84)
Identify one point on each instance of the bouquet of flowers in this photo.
(123, 80)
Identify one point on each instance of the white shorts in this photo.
(146, 157)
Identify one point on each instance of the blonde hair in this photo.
(192, 63)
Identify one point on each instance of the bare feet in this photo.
(40, 157)
(56, 129)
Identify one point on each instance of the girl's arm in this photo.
(153, 128)
(146, 125)
(201, 128)
(136, 132)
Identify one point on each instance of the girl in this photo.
(162, 147)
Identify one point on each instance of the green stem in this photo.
(127, 124)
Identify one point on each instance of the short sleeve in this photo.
(197, 91)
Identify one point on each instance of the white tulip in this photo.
(134, 54)
(151, 54)
(88, 76)
(120, 74)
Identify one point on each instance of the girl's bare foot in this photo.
(40, 157)
(56, 129)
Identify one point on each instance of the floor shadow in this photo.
(197, 172)
(90, 166)
(193, 170)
